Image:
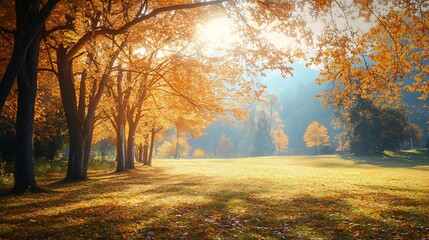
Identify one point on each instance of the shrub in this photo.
(5, 176)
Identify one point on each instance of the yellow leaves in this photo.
(374, 63)
(280, 140)
(177, 147)
(199, 153)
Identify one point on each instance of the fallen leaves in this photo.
(169, 204)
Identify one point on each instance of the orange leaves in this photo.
(316, 135)
(280, 140)
(377, 62)
(199, 153)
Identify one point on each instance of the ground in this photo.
(322, 197)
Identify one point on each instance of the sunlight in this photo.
(140, 51)
(217, 33)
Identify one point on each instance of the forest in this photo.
(140, 105)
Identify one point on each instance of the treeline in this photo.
(124, 68)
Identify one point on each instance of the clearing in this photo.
(297, 197)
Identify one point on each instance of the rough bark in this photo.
(76, 152)
(120, 148)
(120, 129)
(74, 123)
(87, 148)
(129, 164)
(27, 86)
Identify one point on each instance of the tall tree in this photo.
(30, 19)
(112, 19)
(118, 119)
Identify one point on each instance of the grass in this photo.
(323, 197)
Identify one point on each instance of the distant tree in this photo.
(104, 146)
(225, 146)
(280, 140)
(393, 125)
(263, 139)
(364, 128)
(174, 146)
(371, 128)
(316, 135)
(199, 153)
(415, 136)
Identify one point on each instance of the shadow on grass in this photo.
(399, 160)
(142, 204)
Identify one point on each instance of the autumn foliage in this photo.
(280, 140)
(316, 135)
(138, 68)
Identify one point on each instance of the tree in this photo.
(280, 140)
(379, 59)
(225, 146)
(78, 24)
(371, 128)
(394, 123)
(364, 127)
(415, 136)
(118, 119)
(199, 153)
(175, 148)
(316, 135)
(263, 139)
(102, 25)
(30, 19)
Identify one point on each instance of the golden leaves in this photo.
(316, 135)
(280, 140)
(380, 63)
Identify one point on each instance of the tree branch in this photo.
(107, 31)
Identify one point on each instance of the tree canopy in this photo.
(149, 66)
(316, 135)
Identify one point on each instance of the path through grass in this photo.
(270, 197)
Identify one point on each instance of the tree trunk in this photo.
(74, 123)
(76, 153)
(29, 21)
(140, 157)
(145, 152)
(177, 154)
(87, 148)
(152, 146)
(120, 148)
(130, 147)
(27, 87)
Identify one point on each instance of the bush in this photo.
(5, 176)
(101, 164)
(42, 167)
